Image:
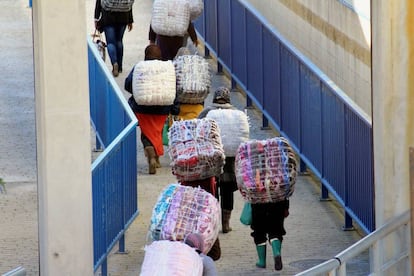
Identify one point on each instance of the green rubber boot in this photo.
(261, 253)
(276, 249)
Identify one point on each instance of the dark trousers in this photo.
(145, 141)
(226, 191)
(268, 221)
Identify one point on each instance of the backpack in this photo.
(117, 5)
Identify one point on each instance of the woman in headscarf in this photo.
(151, 118)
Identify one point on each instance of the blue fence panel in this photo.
(333, 124)
(303, 104)
(224, 25)
(238, 44)
(114, 195)
(359, 169)
(311, 119)
(271, 78)
(130, 176)
(290, 87)
(99, 219)
(114, 172)
(254, 59)
(210, 9)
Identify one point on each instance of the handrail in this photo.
(18, 271)
(338, 262)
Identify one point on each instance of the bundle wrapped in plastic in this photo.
(170, 17)
(196, 8)
(171, 258)
(266, 170)
(195, 149)
(234, 128)
(153, 82)
(193, 79)
(181, 210)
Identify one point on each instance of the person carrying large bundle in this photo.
(181, 210)
(266, 173)
(234, 129)
(197, 156)
(152, 85)
(170, 23)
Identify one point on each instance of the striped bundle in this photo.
(171, 258)
(181, 210)
(266, 170)
(195, 149)
(170, 17)
(153, 82)
(193, 79)
(234, 128)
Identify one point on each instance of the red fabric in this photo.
(151, 126)
(208, 184)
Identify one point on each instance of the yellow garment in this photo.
(189, 111)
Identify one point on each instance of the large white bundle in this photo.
(166, 258)
(154, 83)
(170, 17)
(266, 170)
(181, 210)
(195, 149)
(234, 128)
(193, 79)
(196, 8)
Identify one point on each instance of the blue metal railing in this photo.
(114, 172)
(331, 134)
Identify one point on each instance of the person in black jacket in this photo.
(226, 182)
(113, 24)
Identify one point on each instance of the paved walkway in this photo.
(314, 228)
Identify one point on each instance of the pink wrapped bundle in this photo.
(171, 258)
(190, 210)
(266, 170)
(195, 149)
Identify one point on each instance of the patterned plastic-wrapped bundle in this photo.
(171, 258)
(266, 170)
(195, 149)
(196, 8)
(181, 210)
(193, 79)
(153, 82)
(234, 128)
(170, 17)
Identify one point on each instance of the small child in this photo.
(196, 241)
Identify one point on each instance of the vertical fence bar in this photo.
(265, 122)
(348, 223)
(324, 194)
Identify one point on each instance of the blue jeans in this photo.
(114, 35)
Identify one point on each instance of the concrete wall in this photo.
(332, 36)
